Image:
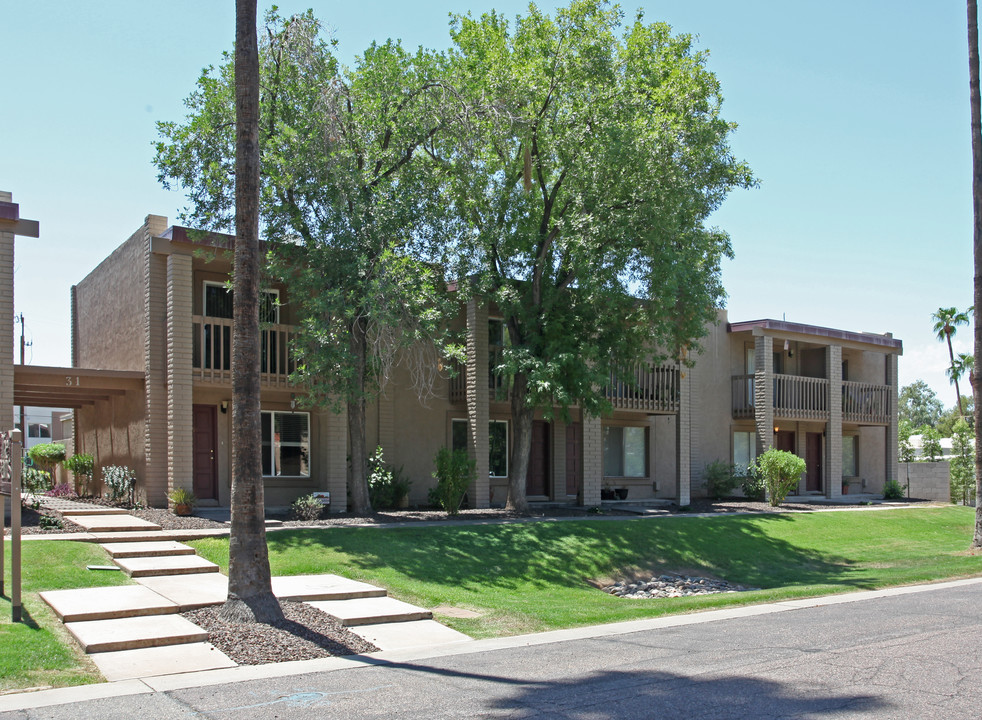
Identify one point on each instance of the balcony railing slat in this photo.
(212, 352)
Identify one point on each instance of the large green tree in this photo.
(919, 404)
(348, 201)
(589, 160)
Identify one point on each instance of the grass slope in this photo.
(534, 576)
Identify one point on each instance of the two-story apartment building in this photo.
(160, 305)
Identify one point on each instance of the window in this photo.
(744, 450)
(850, 456)
(497, 444)
(218, 303)
(625, 451)
(38, 430)
(286, 444)
(218, 337)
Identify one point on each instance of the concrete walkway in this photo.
(135, 631)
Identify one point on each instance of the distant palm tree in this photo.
(946, 321)
(964, 365)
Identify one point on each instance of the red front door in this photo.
(813, 462)
(537, 477)
(204, 434)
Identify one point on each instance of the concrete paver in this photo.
(104, 603)
(367, 611)
(322, 587)
(134, 632)
(147, 549)
(163, 660)
(413, 634)
(137, 567)
(103, 522)
(92, 510)
(189, 591)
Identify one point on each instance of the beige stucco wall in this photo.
(113, 433)
(723, 355)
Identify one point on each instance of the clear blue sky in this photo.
(853, 113)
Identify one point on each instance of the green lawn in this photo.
(38, 651)
(534, 576)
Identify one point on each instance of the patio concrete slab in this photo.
(147, 549)
(97, 636)
(164, 660)
(371, 611)
(104, 603)
(92, 510)
(403, 635)
(113, 523)
(189, 591)
(166, 565)
(322, 587)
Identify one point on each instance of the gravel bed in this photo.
(43, 522)
(305, 633)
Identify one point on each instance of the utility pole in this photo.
(23, 427)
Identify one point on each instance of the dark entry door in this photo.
(573, 459)
(784, 440)
(813, 462)
(204, 436)
(537, 478)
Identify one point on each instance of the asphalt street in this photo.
(905, 656)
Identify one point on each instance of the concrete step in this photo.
(106, 603)
(412, 634)
(137, 567)
(189, 592)
(147, 549)
(113, 523)
(152, 535)
(372, 611)
(135, 632)
(323, 587)
(93, 510)
(163, 660)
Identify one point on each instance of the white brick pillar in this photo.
(683, 440)
(155, 365)
(892, 463)
(478, 402)
(764, 392)
(7, 337)
(180, 469)
(593, 460)
(833, 434)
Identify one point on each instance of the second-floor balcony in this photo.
(211, 352)
(806, 398)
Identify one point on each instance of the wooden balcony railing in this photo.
(742, 394)
(497, 385)
(865, 402)
(801, 398)
(804, 398)
(645, 387)
(211, 352)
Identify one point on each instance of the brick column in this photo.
(478, 401)
(892, 463)
(335, 436)
(558, 484)
(180, 469)
(593, 460)
(7, 337)
(155, 365)
(764, 392)
(683, 440)
(833, 434)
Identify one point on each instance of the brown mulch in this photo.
(305, 633)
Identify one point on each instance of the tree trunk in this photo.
(250, 594)
(954, 377)
(357, 482)
(521, 419)
(973, 74)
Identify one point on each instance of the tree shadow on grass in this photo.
(736, 548)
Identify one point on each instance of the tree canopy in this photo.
(919, 404)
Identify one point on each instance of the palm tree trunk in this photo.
(973, 74)
(954, 377)
(250, 595)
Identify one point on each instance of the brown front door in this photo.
(784, 440)
(537, 477)
(573, 459)
(204, 434)
(813, 462)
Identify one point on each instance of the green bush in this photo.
(753, 485)
(455, 471)
(306, 507)
(721, 479)
(34, 480)
(82, 466)
(119, 481)
(781, 471)
(47, 456)
(893, 490)
(386, 485)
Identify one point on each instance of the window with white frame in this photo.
(497, 444)
(744, 450)
(38, 430)
(286, 444)
(625, 451)
(218, 303)
(850, 456)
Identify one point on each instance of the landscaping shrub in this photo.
(119, 481)
(893, 491)
(386, 485)
(721, 478)
(455, 471)
(753, 485)
(781, 472)
(306, 507)
(82, 466)
(47, 456)
(63, 490)
(34, 480)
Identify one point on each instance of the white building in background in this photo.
(44, 425)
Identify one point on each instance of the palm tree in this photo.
(250, 594)
(964, 365)
(946, 320)
(976, 127)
